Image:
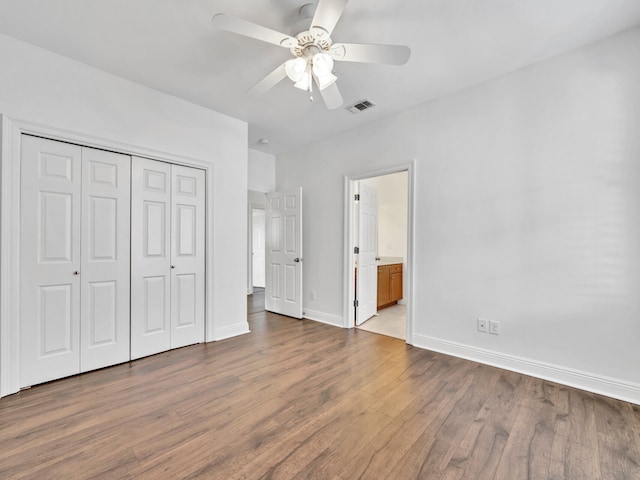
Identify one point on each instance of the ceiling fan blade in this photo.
(366, 53)
(253, 30)
(269, 81)
(331, 96)
(328, 12)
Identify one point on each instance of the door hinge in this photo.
(356, 249)
(356, 303)
(357, 197)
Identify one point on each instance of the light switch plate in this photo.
(494, 327)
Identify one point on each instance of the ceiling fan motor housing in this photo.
(310, 44)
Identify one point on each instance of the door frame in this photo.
(348, 313)
(11, 131)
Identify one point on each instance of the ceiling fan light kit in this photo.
(322, 64)
(302, 70)
(305, 83)
(314, 52)
(295, 68)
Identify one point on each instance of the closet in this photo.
(167, 241)
(74, 259)
(112, 258)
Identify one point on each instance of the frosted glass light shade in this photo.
(295, 68)
(322, 64)
(322, 67)
(304, 83)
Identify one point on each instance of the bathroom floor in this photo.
(390, 321)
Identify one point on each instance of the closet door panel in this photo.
(187, 245)
(105, 259)
(50, 257)
(151, 257)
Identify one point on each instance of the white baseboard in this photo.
(231, 331)
(610, 387)
(335, 320)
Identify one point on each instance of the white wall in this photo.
(527, 208)
(262, 171)
(41, 87)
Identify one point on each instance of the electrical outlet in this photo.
(494, 327)
(313, 294)
(482, 325)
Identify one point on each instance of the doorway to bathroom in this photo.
(379, 241)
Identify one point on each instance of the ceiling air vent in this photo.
(360, 106)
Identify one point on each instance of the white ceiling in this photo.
(170, 45)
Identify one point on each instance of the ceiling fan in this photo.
(314, 51)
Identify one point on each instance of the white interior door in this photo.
(283, 222)
(258, 247)
(104, 274)
(187, 256)
(50, 260)
(150, 257)
(367, 276)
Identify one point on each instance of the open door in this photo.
(283, 279)
(367, 276)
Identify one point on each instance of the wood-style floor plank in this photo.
(302, 400)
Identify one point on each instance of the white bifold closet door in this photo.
(105, 259)
(167, 244)
(74, 259)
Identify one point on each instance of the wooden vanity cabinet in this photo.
(389, 284)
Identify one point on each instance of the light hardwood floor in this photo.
(299, 399)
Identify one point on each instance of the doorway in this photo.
(256, 299)
(393, 218)
(256, 204)
(257, 247)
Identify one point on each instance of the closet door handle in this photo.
(76, 272)
(173, 266)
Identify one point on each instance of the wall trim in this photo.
(9, 259)
(322, 317)
(602, 385)
(11, 130)
(231, 331)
